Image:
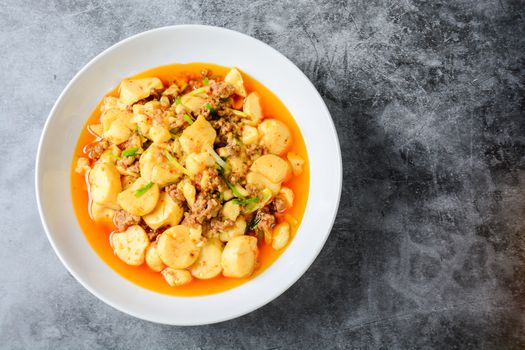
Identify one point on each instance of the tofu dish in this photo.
(189, 173)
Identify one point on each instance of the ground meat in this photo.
(126, 162)
(267, 221)
(95, 149)
(134, 168)
(252, 189)
(218, 226)
(211, 181)
(177, 122)
(175, 193)
(237, 178)
(205, 207)
(194, 84)
(130, 164)
(279, 204)
(133, 141)
(151, 233)
(221, 89)
(224, 125)
(255, 150)
(176, 148)
(123, 220)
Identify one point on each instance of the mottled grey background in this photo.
(428, 250)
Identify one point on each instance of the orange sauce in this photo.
(98, 234)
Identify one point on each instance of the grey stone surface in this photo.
(428, 250)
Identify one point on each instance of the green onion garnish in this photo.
(178, 101)
(176, 163)
(143, 190)
(205, 81)
(129, 152)
(197, 91)
(236, 112)
(188, 119)
(233, 188)
(254, 222)
(244, 201)
(215, 156)
(208, 107)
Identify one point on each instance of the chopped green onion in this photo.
(174, 131)
(212, 110)
(236, 112)
(206, 81)
(176, 163)
(188, 119)
(178, 101)
(234, 189)
(215, 156)
(129, 152)
(244, 201)
(183, 86)
(143, 190)
(264, 197)
(197, 91)
(252, 224)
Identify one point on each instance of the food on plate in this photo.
(200, 177)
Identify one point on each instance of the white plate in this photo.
(182, 44)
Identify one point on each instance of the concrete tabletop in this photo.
(428, 249)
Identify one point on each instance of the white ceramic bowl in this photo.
(180, 44)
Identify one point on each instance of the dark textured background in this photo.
(428, 100)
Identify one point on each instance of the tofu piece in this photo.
(133, 90)
(275, 136)
(261, 182)
(234, 78)
(196, 136)
(297, 163)
(176, 248)
(176, 277)
(155, 167)
(238, 229)
(104, 181)
(249, 135)
(252, 107)
(117, 125)
(194, 102)
(101, 213)
(239, 257)
(167, 212)
(138, 199)
(273, 167)
(153, 259)
(280, 235)
(231, 210)
(208, 265)
(130, 245)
